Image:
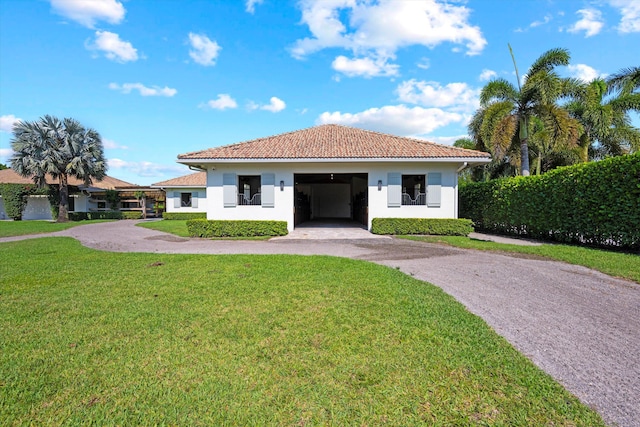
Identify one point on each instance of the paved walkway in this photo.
(580, 326)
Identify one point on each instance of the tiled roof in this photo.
(8, 176)
(198, 179)
(334, 142)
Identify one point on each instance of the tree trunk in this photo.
(63, 207)
(524, 147)
(583, 150)
(143, 205)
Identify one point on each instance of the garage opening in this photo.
(331, 198)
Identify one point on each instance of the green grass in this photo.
(21, 228)
(613, 263)
(89, 337)
(178, 227)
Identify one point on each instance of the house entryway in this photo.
(331, 199)
(330, 229)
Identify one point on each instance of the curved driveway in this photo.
(580, 326)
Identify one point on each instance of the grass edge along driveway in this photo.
(23, 228)
(129, 339)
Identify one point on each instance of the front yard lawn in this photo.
(615, 264)
(89, 337)
(177, 227)
(21, 228)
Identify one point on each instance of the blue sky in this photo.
(160, 78)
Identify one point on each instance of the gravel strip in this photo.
(580, 326)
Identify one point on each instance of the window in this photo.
(72, 204)
(413, 190)
(249, 190)
(185, 200)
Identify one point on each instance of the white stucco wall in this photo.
(173, 193)
(38, 207)
(283, 209)
(3, 214)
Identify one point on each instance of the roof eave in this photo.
(470, 160)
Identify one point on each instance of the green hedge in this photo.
(82, 216)
(595, 203)
(184, 215)
(215, 228)
(433, 226)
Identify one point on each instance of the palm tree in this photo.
(503, 121)
(59, 148)
(626, 80)
(603, 111)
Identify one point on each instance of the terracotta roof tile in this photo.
(8, 176)
(198, 179)
(333, 142)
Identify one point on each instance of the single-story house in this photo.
(82, 198)
(186, 193)
(330, 171)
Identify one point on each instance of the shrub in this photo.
(434, 226)
(82, 216)
(184, 215)
(222, 228)
(131, 215)
(596, 203)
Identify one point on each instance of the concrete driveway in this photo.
(580, 326)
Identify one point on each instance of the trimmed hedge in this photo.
(596, 203)
(433, 226)
(184, 215)
(82, 216)
(220, 228)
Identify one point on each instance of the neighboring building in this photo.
(329, 171)
(186, 193)
(82, 198)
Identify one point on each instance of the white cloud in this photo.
(365, 67)
(546, 20)
(584, 72)
(630, 10)
(7, 122)
(486, 75)
(591, 22)
(143, 90)
(251, 5)
(110, 144)
(6, 152)
(395, 119)
(223, 102)
(424, 63)
(113, 48)
(204, 51)
(376, 30)
(458, 97)
(275, 105)
(88, 12)
(145, 169)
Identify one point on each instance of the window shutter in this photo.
(267, 184)
(194, 199)
(394, 190)
(434, 186)
(176, 200)
(229, 190)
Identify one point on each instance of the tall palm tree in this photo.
(626, 80)
(504, 118)
(603, 113)
(60, 148)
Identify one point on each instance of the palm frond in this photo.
(498, 90)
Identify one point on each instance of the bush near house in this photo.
(595, 203)
(432, 226)
(181, 216)
(220, 228)
(83, 216)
